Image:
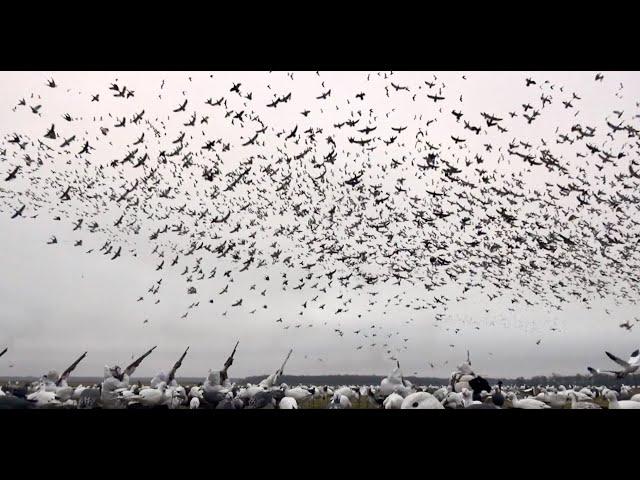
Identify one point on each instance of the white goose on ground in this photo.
(453, 400)
(421, 401)
(299, 393)
(348, 392)
(614, 404)
(527, 403)
(152, 397)
(288, 403)
(576, 405)
(42, 397)
(339, 402)
(393, 401)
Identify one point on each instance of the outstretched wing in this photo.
(619, 361)
(634, 359)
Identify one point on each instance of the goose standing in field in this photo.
(558, 399)
(301, 394)
(393, 401)
(341, 402)
(527, 403)
(585, 391)
(348, 392)
(614, 404)
(576, 405)
(421, 401)
(288, 403)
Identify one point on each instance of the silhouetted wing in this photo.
(619, 361)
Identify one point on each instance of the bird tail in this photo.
(592, 371)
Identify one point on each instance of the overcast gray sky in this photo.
(58, 301)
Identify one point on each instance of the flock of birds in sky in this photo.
(334, 210)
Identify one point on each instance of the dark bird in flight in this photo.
(181, 107)
(18, 213)
(13, 174)
(51, 133)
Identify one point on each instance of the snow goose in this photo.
(527, 403)
(635, 398)
(42, 397)
(288, 403)
(628, 367)
(301, 394)
(393, 401)
(340, 402)
(348, 392)
(77, 392)
(421, 401)
(152, 397)
(576, 405)
(441, 393)
(467, 397)
(614, 404)
(453, 400)
(177, 396)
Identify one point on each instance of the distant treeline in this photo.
(335, 380)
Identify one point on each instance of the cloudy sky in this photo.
(59, 301)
